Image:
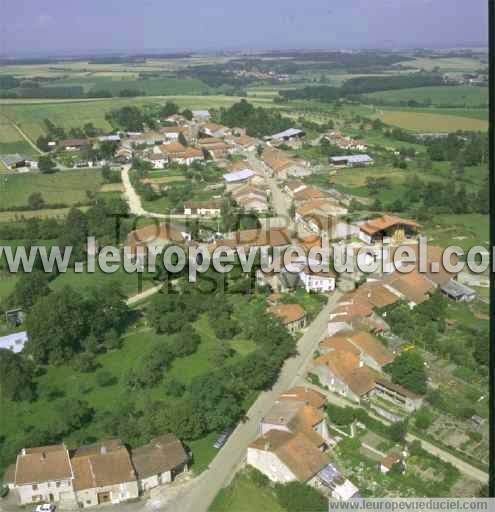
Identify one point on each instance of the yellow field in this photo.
(420, 121)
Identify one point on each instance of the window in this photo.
(58, 484)
(34, 487)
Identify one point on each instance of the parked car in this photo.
(222, 438)
(46, 507)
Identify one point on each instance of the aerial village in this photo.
(349, 368)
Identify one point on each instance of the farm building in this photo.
(458, 292)
(351, 161)
(201, 115)
(291, 133)
(388, 226)
(14, 161)
(202, 208)
(73, 144)
(233, 179)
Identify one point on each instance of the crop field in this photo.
(30, 114)
(454, 96)
(152, 87)
(429, 122)
(449, 64)
(11, 141)
(68, 187)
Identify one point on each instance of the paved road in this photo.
(201, 494)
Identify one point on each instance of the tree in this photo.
(72, 415)
(85, 362)
(408, 370)
(214, 402)
(187, 114)
(112, 340)
(398, 431)
(36, 201)
(16, 376)
(173, 387)
(104, 378)
(74, 232)
(56, 325)
(46, 165)
(28, 289)
(340, 415)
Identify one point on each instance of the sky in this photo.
(54, 26)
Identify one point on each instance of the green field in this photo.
(30, 114)
(465, 231)
(432, 122)
(452, 96)
(11, 140)
(152, 87)
(68, 187)
(447, 64)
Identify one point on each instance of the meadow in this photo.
(30, 114)
(452, 96)
(67, 187)
(432, 122)
(151, 87)
(11, 140)
(447, 64)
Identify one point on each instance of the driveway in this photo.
(134, 201)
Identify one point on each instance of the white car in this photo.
(46, 507)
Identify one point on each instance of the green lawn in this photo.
(130, 283)
(67, 187)
(243, 495)
(203, 452)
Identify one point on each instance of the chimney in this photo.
(267, 445)
(103, 449)
(23, 451)
(43, 456)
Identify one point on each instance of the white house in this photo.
(44, 474)
(323, 282)
(286, 457)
